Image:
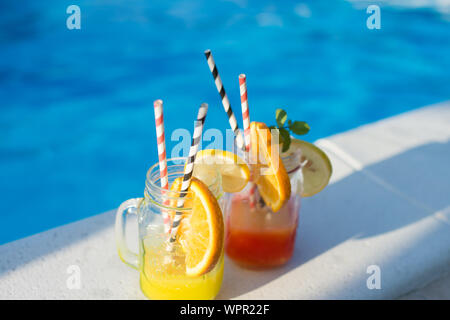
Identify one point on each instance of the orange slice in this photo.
(270, 175)
(201, 231)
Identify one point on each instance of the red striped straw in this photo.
(245, 112)
(246, 120)
(162, 157)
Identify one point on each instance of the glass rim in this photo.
(153, 186)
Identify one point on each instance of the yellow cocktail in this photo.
(163, 275)
(190, 265)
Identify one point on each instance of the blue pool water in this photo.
(77, 124)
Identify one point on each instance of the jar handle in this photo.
(126, 255)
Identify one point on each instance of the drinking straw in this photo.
(246, 121)
(225, 101)
(245, 111)
(162, 157)
(189, 168)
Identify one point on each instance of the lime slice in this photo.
(206, 173)
(316, 168)
(234, 171)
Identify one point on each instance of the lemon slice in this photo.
(316, 168)
(201, 231)
(270, 175)
(233, 169)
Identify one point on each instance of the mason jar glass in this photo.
(162, 270)
(257, 237)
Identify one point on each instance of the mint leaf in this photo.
(299, 127)
(285, 139)
(281, 117)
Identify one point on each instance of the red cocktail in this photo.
(257, 237)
